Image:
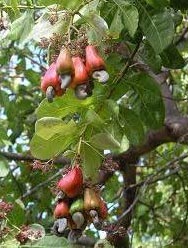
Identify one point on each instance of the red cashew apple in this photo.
(50, 83)
(81, 79)
(65, 67)
(93, 60)
(71, 183)
(95, 65)
(81, 75)
(61, 210)
(64, 63)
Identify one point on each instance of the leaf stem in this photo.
(79, 146)
(124, 70)
(69, 28)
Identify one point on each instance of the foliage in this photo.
(115, 118)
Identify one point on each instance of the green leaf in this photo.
(44, 29)
(71, 4)
(129, 15)
(90, 6)
(98, 27)
(116, 131)
(131, 125)
(116, 25)
(91, 161)
(49, 2)
(28, 25)
(111, 186)
(94, 119)
(3, 135)
(112, 107)
(62, 106)
(21, 27)
(20, 203)
(114, 62)
(47, 127)
(124, 145)
(32, 76)
(17, 215)
(14, 5)
(4, 98)
(141, 211)
(171, 58)
(104, 141)
(11, 243)
(46, 147)
(120, 90)
(50, 241)
(158, 3)
(148, 102)
(4, 168)
(149, 56)
(97, 22)
(158, 28)
(158, 196)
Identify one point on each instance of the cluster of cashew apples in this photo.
(75, 73)
(77, 205)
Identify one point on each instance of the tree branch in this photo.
(129, 176)
(29, 158)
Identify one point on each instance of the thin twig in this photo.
(150, 179)
(124, 70)
(40, 185)
(35, 62)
